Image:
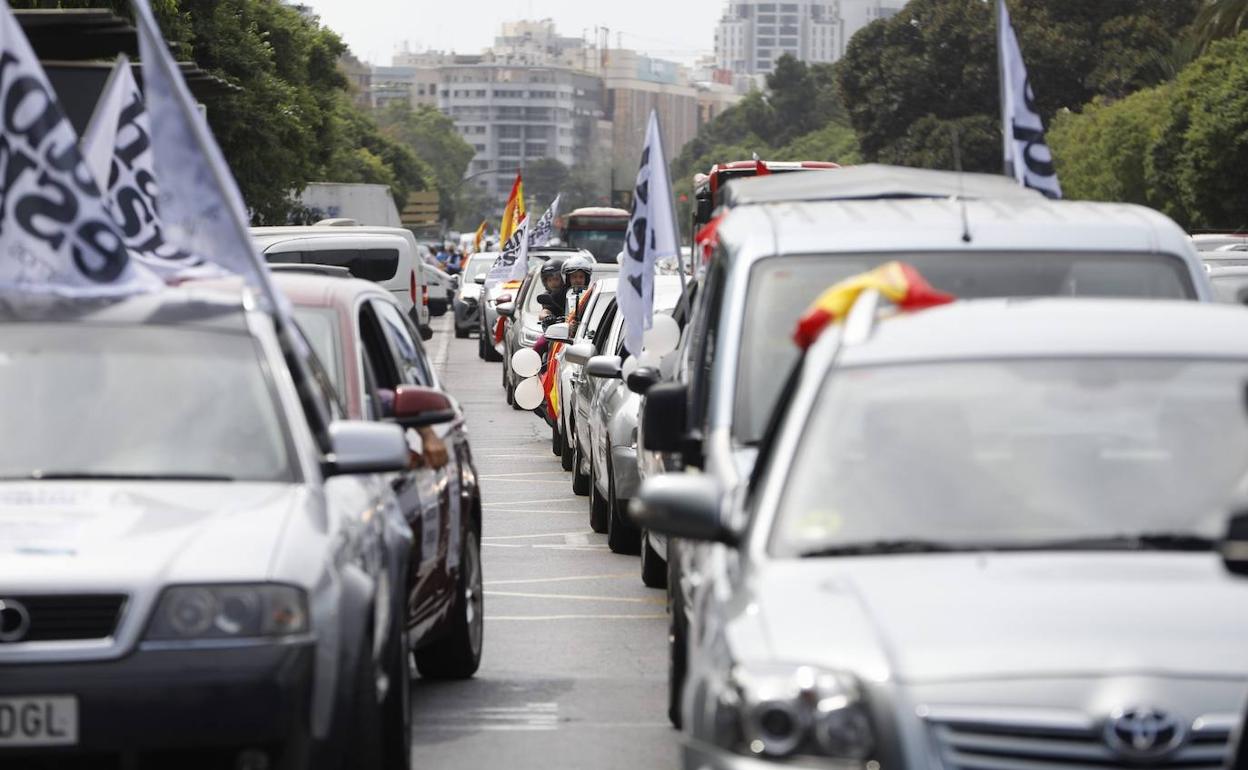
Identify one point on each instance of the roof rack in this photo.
(337, 222)
(310, 268)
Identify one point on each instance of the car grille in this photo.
(993, 741)
(58, 618)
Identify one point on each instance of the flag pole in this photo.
(1007, 165)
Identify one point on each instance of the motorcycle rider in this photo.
(551, 276)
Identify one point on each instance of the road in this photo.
(574, 670)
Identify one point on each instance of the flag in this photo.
(900, 283)
(476, 239)
(520, 263)
(651, 235)
(513, 212)
(504, 263)
(118, 149)
(56, 234)
(1027, 155)
(200, 203)
(545, 227)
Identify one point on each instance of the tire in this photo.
(556, 441)
(653, 568)
(677, 645)
(622, 536)
(580, 481)
(599, 510)
(457, 655)
(568, 456)
(365, 746)
(487, 347)
(481, 346)
(396, 709)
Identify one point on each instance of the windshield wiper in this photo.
(91, 476)
(1139, 541)
(874, 547)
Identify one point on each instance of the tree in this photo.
(1220, 19)
(434, 139)
(543, 180)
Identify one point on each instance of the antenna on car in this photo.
(957, 165)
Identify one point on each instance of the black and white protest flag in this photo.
(200, 203)
(520, 265)
(56, 235)
(509, 254)
(651, 235)
(118, 149)
(1027, 155)
(545, 227)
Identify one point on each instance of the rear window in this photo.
(379, 265)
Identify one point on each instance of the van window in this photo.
(378, 265)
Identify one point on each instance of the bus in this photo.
(598, 230)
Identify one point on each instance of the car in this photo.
(1230, 283)
(1207, 242)
(408, 282)
(370, 350)
(608, 434)
(466, 303)
(582, 331)
(491, 345)
(941, 559)
(193, 577)
(441, 289)
(772, 259)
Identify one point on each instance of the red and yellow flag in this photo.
(476, 239)
(513, 212)
(900, 283)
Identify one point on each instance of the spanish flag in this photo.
(898, 282)
(513, 212)
(476, 239)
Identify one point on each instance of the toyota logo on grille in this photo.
(1144, 733)
(14, 621)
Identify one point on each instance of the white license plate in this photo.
(39, 720)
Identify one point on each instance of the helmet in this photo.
(552, 266)
(578, 264)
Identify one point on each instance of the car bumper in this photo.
(624, 466)
(701, 756)
(153, 702)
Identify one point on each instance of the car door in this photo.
(601, 389)
(585, 384)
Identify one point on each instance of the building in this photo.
(753, 34)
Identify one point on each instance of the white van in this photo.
(395, 266)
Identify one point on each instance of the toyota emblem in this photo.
(14, 621)
(1144, 733)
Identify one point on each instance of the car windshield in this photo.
(164, 403)
(1230, 288)
(478, 266)
(320, 326)
(782, 288)
(605, 245)
(1017, 453)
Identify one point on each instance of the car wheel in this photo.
(580, 479)
(487, 346)
(568, 457)
(677, 641)
(364, 749)
(622, 536)
(481, 345)
(396, 710)
(599, 513)
(653, 568)
(556, 440)
(458, 654)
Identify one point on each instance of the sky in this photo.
(672, 29)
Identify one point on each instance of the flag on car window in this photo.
(898, 282)
(513, 212)
(118, 149)
(508, 255)
(56, 234)
(544, 228)
(651, 235)
(1027, 154)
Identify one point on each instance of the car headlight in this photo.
(229, 612)
(781, 711)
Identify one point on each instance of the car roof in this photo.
(1054, 328)
(1031, 223)
(872, 181)
(325, 291)
(277, 243)
(208, 307)
(1219, 241)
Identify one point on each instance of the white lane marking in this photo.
(659, 616)
(532, 502)
(522, 481)
(504, 545)
(534, 455)
(560, 471)
(543, 534)
(438, 727)
(567, 579)
(529, 717)
(580, 598)
(579, 510)
(443, 353)
(572, 547)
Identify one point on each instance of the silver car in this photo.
(983, 536)
(193, 548)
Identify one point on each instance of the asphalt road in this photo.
(575, 659)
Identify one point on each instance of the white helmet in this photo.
(580, 264)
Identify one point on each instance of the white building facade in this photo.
(754, 34)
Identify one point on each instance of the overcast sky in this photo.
(375, 29)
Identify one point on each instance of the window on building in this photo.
(767, 18)
(510, 132)
(509, 149)
(788, 7)
(766, 41)
(766, 7)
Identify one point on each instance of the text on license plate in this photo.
(38, 720)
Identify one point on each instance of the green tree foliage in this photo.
(908, 80)
(433, 138)
(1220, 19)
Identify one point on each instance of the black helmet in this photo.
(552, 267)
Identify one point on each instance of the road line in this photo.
(659, 616)
(530, 502)
(526, 473)
(523, 481)
(543, 534)
(579, 597)
(504, 545)
(569, 578)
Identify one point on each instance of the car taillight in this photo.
(424, 294)
(412, 286)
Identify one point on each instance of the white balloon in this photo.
(663, 337)
(649, 359)
(529, 393)
(526, 362)
(628, 367)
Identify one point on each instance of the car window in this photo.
(382, 372)
(702, 351)
(602, 336)
(600, 303)
(370, 264)
(320, 328)
(413, 368)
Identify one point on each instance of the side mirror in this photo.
(479, 278)
(683, 505)
(606, 367)
(663, 416)
(558, 333)
(365, 447)
(506, 309)
(578, 354)
(643, 379)
(416, 406)
(426, 333)
(1235, 547)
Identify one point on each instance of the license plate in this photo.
(39, 720)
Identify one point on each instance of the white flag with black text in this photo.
(118, 148)
(520, 266)
(545, 227)
(1026, 151)
(651, 235)
(508, 255)
(56, 235)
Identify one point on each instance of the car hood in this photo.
(56, 534)
(470, 291)
(956, 617)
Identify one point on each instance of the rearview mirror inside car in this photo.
(682, 505)
(1235, 546)
(558, 333)
(506, 309)
(643, 379)
(606, 367)
(578, 354)
(416, 406)
(358, 446)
